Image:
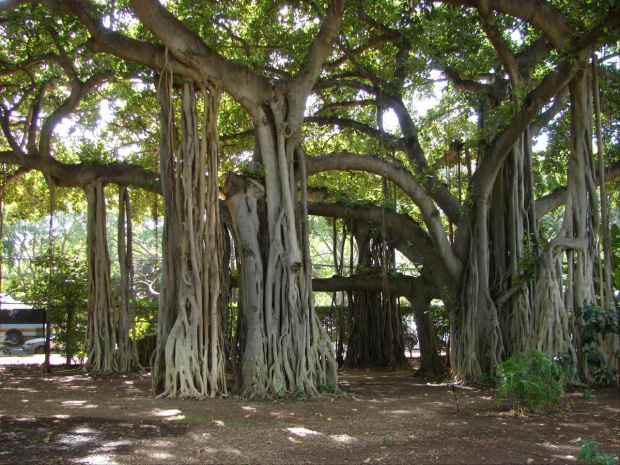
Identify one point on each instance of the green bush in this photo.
(593, 456)
(597, 324)
(532, 382)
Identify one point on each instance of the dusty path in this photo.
(383, 418)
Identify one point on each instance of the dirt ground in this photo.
(380, 418)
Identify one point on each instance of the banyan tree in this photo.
(246, 104)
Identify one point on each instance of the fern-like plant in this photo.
(533, 382)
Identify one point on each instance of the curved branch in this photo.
(404, 227)
(78, 91)
(345, 161)
(31, 125)
(20, 172)
(399, 223)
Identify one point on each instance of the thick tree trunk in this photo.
(556, 329)
(477, 341)
(192, 360)
(497, 291)
(244, 197)
(171, 235)
(286, 349)
(101, 331)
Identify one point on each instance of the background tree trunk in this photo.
(375, 325)
(127, 353)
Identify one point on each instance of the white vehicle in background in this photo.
(34, 346)
(19, 322)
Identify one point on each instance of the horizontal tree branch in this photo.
(550, 202)
(399, 284)
(78, 175)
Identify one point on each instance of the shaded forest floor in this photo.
(381, 418)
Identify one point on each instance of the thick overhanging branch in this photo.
(238, 80)
(345, 161)
(401, 224)
(79, 175)
(320, 48)
(399, 284)
(404, 227)
(104, 40)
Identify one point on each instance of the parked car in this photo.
(35, 346)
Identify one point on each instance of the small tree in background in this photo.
(64, 289)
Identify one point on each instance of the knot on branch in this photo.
(296, 267)
(287, 129)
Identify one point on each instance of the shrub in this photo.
(532, 382)
(597, 324)
(593, 456)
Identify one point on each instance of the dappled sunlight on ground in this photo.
(302, 432)
(380, 417)
(166, 413)
(343, 438)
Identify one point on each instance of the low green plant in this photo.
(587, 395)
(591, 453)
(533, 382)
(330, 388)
(188, 420)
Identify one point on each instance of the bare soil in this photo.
(380, 418)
